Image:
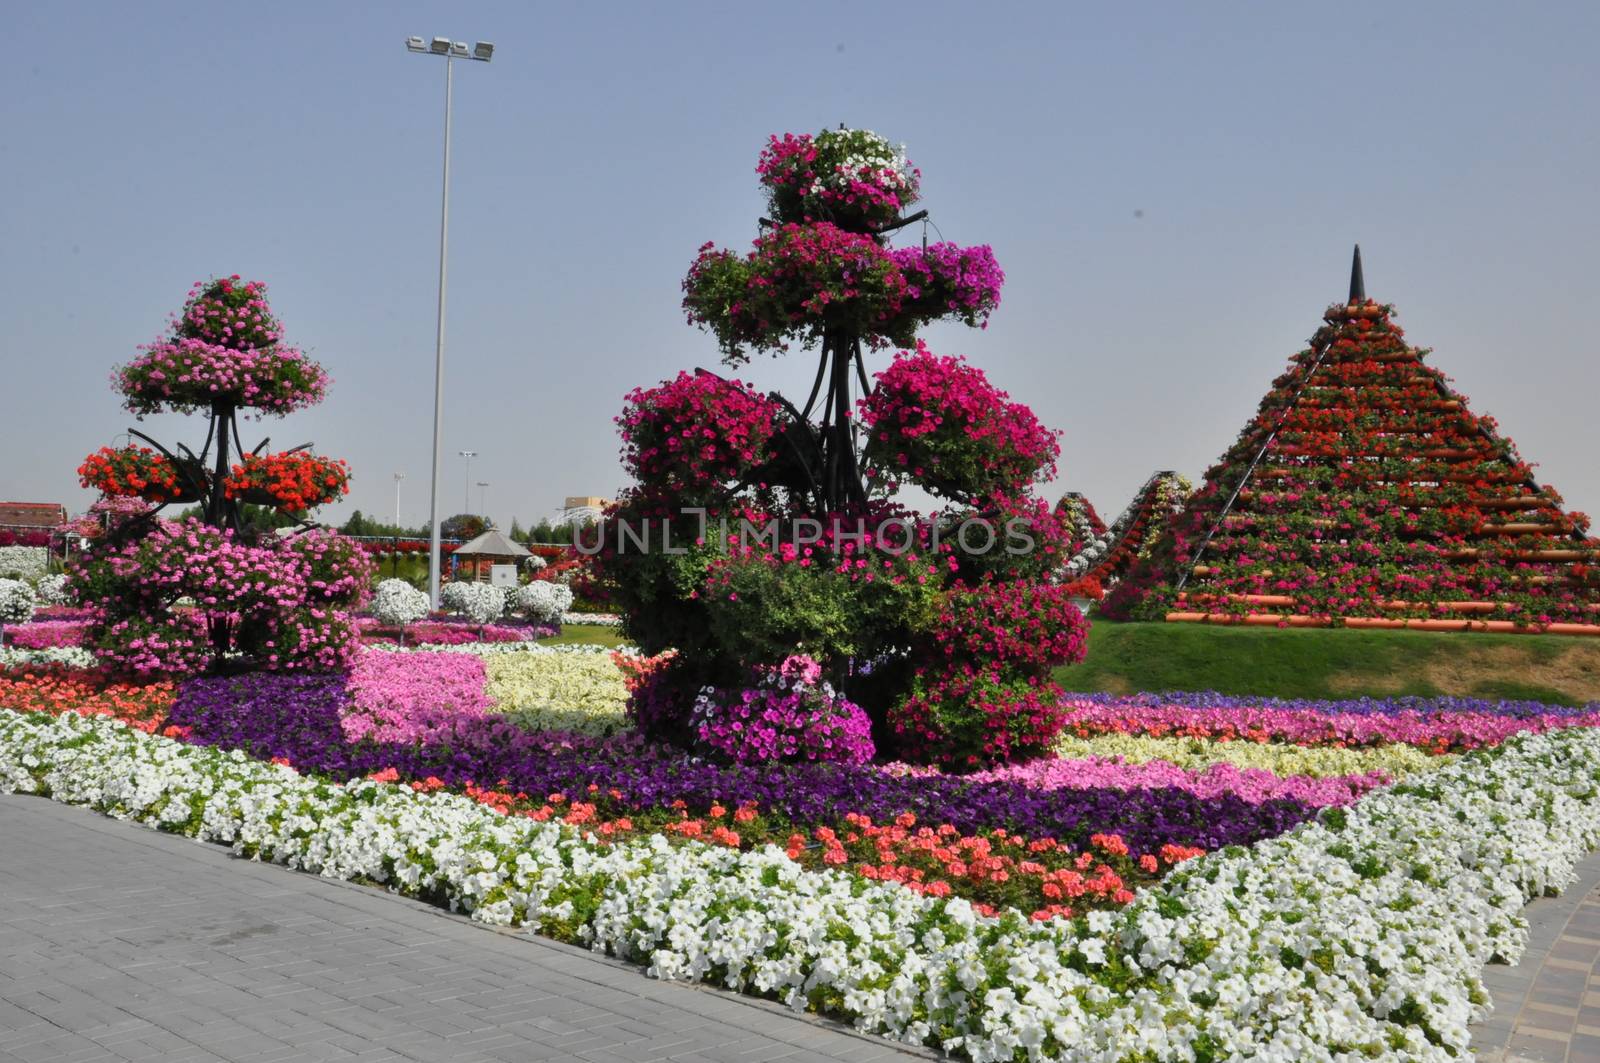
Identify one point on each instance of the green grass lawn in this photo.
(1335, 663)
(586, 635)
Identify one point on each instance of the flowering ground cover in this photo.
(1449, 726)
(51, 689)
(45, 634)
(1139, 784)
(1359, 935)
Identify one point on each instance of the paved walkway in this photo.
(117, 942)
(1547, 1008)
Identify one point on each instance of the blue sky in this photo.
(1172, 190)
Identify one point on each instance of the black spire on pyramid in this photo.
(1358, 284)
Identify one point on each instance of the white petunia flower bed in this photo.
(1359, 937)
(64, 656)
(24, 562)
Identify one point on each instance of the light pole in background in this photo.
(483, 500)
(451, 50)
(397, 478)
(466, 484)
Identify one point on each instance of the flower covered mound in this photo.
(1362, 935)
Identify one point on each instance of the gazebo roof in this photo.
(491, 544)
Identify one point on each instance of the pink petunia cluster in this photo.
(1254, 785)
(696, 431)
(412, 697)
(938, 422)
(946, 279)
(186, 375)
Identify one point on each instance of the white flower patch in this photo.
(1362, 936)
(23, 562)
(52, 589)
(17, 601)
(544, 601)
(592, 619)
(64, 656)
(478, 602)
(397, 603)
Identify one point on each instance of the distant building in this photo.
(580, 508)
(42, 515)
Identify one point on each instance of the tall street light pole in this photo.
(466, 483)
(397, 478)
(483, 500)
(482, 51)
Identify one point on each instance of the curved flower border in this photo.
(1365, 933)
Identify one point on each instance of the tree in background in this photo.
(462, 526)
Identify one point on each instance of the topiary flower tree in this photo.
(760, 531)
(202, 592)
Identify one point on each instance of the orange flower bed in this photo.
(993, 870)
(141, 705)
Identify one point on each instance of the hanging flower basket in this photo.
(293, 481)
(139, 472)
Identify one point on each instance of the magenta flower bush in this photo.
(790, 715)
(852, 176)
(969, 716)
(938, 423)
(1021, 625)
(696, 432)
(946, 279)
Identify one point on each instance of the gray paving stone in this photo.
(121, 943)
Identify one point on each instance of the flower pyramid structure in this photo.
(1366, 492)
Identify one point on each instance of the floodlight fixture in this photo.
(483, 50)
(458, 50)
(416, 44)
(441, 45)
